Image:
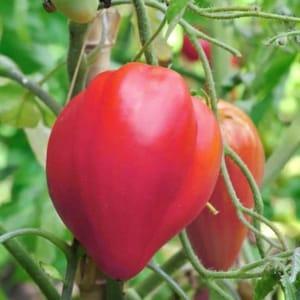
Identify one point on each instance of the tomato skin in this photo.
(77, 10)
(189, 51)
(217, 240)
(122, 159)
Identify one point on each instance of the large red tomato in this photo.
(217, 239)
(123, 158)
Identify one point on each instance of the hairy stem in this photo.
(144, 30)
(31, 267)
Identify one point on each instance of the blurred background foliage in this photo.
(266, 84)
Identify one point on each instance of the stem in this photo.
(207, 70)
(32, 87)
(153, 281)
(207, 273)
(256, 195)
(71, 271)
(76, 62)
(47, 235)
(250, 13)
(188, 73)
(152, 38)
(163, 8)
(283, 34)
(237, 204)
(219, 290)
(222, 9)
(144, 29)
(259, 205)
(31, 267)
(172, 284)
(114, 289)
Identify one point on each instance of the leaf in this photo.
(51, 271)
(174, 12)
(288, 288)
(287, 146)
(18, 108)
(295, 266)
(265, 285)
(38, 140)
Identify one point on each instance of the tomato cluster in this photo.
(134, 159)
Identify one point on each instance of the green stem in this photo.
(283, 34)
(131, 294)
(33, 88)
(256, 14)
(214, 286)
(152, 38)
(259, 205)
(236, 202)
(47, 235)
(114, 289)
(256, 195)
(192, 75)
(222, 9)
(207, 70)
(31, 267)
(207, 273)
(71, 271)
(76, 62)
(198, 33)
(172, 284)
(144, 29)
(153, 281)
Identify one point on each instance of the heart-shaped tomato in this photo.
(131, 161)
(217, 239)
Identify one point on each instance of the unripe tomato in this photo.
(78, 11)
(123, 158)
(217, 239)
(189, 51)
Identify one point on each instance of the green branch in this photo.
(144, 29)
(172, 283)
(31, 267)
(76, 61)
(60, 244)
(71, 271)
(33, 87)
(153, 281)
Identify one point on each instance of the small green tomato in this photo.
(79, 11)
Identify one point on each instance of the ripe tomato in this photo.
(217, 239)
(123, 158)
(189, 51)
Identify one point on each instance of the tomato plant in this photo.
(108, 154)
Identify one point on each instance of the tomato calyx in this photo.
(49, 6)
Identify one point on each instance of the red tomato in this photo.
(190, 52)
(123, 158)
(217, 239)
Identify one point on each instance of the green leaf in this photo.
(265, 285)
(51, 271)
(288, 288)
(175, 11)
(18, 108)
